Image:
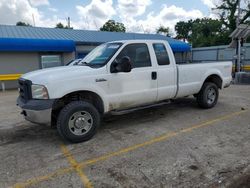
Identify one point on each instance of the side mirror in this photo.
(124, 65)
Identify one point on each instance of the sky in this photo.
(143, 16)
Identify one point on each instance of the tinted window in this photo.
(161, 54)
(138, 54)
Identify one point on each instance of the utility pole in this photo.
(238, 16)
(68, 22)
(239, 40)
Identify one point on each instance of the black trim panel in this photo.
(35, 104)
(25, 89)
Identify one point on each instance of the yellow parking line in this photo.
(128, 149)
(49, 176)
(157, 139)
(76, 166)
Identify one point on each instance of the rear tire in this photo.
(78, 121)
(208, 95)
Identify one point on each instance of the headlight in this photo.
(39, 92)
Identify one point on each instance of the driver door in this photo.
(135, 88)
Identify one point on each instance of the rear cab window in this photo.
(138, 54)
(161, 54)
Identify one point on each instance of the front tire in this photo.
(208, 95)
(78, 121)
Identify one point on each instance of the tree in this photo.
(22, 24)
(113, 26)
(211, 32)
(201, 32)
(163, 30)
(207, 32)
(183, 30)
(61, 26)
(227, 11)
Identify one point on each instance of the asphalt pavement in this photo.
(174, 145)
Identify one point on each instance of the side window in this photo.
(138, 54)
(161, 54)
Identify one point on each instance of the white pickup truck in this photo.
(115, 77)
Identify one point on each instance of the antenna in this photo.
(96, 25)
(143, 28)
(68, 22)
(87, 21)
(34, 23)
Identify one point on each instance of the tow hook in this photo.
(23, 113)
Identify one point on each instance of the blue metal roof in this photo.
(83, 36)
(36, 45)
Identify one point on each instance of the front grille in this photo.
(24, 89)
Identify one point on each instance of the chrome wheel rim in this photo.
(211, 95)
(80, 123)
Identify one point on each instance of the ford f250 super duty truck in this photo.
(115, 77)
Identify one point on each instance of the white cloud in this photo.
(95, 14)
(37, 3)
(12, 11)
(177, 13)
(209, 3)
(132, 7)
(167, 17)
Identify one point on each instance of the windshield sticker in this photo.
(114, 46)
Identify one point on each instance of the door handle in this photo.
(154, 75)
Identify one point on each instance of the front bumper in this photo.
(36, 111)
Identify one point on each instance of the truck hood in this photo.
(49, 75)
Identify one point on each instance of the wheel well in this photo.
(88, 96)
(214, 79)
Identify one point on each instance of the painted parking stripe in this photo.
(158, 139)
(161, 138)
(76, 167)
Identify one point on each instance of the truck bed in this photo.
(190, 77)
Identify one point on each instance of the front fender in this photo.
(60, 91)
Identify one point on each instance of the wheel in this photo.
(208, 96)
(78, 121)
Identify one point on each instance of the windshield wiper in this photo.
(83, 63)
(92, 65)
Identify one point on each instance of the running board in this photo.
(126, 111)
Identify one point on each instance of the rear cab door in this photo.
(166, 70)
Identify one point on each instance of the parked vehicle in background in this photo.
(116, 77)
(73, 62)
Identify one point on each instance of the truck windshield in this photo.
(100, 55)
